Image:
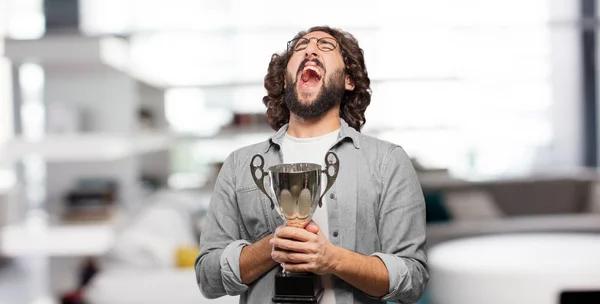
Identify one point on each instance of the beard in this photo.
(329, 96)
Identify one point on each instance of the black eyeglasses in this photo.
(325, 44)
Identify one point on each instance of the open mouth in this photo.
(310, 76)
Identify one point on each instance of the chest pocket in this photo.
(255, 213)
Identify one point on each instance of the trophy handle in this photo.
(259, 170)
(331, 170)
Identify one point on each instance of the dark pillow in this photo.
(436, 211)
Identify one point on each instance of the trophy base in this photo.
(297, 287)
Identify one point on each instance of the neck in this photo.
(306, 128)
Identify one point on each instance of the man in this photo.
(367, 241)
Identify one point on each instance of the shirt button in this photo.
(335, 234)
(332, 196)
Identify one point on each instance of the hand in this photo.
(303, 250)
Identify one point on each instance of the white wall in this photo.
(3, 18)
(6, 121)
(6, 109)
(153, 99)
(107, 99)
(567, 111)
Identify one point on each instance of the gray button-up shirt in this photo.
(377, 208)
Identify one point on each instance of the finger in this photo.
(294, 233)
(276, 254)
(291, 267)
(290, 257)
(281, 256)
(292, 245)
(279, 252)
(312, 227)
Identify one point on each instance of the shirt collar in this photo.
(346, 132)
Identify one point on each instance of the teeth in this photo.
(314, 69)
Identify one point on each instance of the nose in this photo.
(311, 49)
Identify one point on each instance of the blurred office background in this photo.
(115, 116)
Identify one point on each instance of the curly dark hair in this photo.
(353, 104)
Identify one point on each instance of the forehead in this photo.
(317, 34)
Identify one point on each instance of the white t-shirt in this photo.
(313, 150)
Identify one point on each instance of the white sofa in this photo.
(141, 268)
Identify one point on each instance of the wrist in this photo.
(336, 259)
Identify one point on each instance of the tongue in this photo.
(305, 77)
(310, 77)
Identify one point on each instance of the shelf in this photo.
(64, 240)
(51, 49)
(7, 181)
(86, 147)
(231, 133)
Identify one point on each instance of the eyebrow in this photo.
(319, 37)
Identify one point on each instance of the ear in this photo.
(349, 84)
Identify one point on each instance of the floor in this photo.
(17, 285)
(27, 280)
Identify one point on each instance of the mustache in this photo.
(315, 60)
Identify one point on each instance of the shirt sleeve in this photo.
(218, 263)
(402, 229)
(230, 268)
